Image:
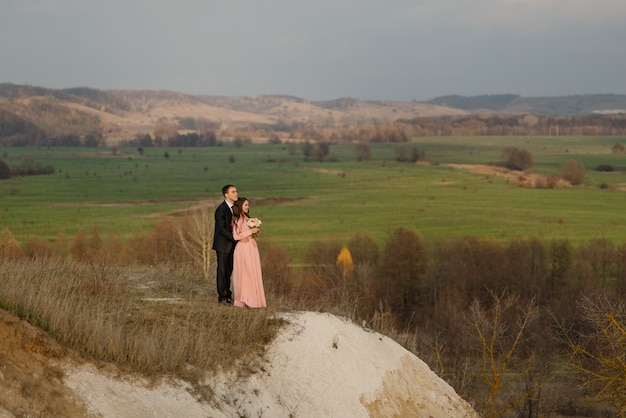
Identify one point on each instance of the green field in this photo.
(331, 200)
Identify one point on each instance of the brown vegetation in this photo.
(146, 304)
(523, 179)
(574, 172)
(598, 344)
(31, 377)
(517, 124)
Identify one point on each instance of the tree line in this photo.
(531, 125)
(26, 167)
(505, 323)
(193, 139)
(511, 325)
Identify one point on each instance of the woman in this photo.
(247, 278)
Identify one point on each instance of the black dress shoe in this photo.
(225, 302)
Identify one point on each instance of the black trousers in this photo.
(224, 271)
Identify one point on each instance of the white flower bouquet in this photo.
(253, 223)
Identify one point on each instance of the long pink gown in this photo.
(247, 277)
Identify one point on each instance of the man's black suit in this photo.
(224, 246)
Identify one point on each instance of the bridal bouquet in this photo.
(253, 223)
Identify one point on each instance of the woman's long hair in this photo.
(238, 210)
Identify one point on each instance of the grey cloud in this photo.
(370, 49)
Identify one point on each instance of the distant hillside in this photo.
(93, 98)
(35, 116)
(121, 114)
(495, 102)
(30, 111)
(13, 124)
(549, 106)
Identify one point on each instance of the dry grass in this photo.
(153, 320)
(158, 315)
(163, 320)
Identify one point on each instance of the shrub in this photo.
(10, 249)
(604, 168)
(321, 258)
(323, 253)
(618, 149)
(363, 249)
(574, 172)
(276, 271)
(5, 170)
(517, 159)
(402, 268)
(161, 246)
(274, 139)
(405, 154)
(601, 255)
(363, 152)
(36, 248)
(529, 272)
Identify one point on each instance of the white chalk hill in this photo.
(318, 366)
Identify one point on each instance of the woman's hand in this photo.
(255, 230)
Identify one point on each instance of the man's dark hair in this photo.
(225, 189)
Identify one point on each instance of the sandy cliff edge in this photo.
(320, 365)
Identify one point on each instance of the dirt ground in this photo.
(31, 376)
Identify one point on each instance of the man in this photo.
(224, 244)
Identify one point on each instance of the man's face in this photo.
(231, 195)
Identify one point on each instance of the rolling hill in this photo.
(125, 113)
(120, 114)
(548, 106)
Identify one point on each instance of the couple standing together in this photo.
(237, 253)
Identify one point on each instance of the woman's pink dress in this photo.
(247, 277)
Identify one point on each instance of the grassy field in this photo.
(301, 202)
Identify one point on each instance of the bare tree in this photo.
(196, 237)
(498, 334)
(5, 170)
(363, 152)
(598, 349)
(574, 172)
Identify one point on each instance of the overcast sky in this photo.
(322, 49)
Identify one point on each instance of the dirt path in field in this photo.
(124, 203)
(208, 205)
(198, 204)
(523, 179)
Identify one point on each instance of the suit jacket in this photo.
(223, 240)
